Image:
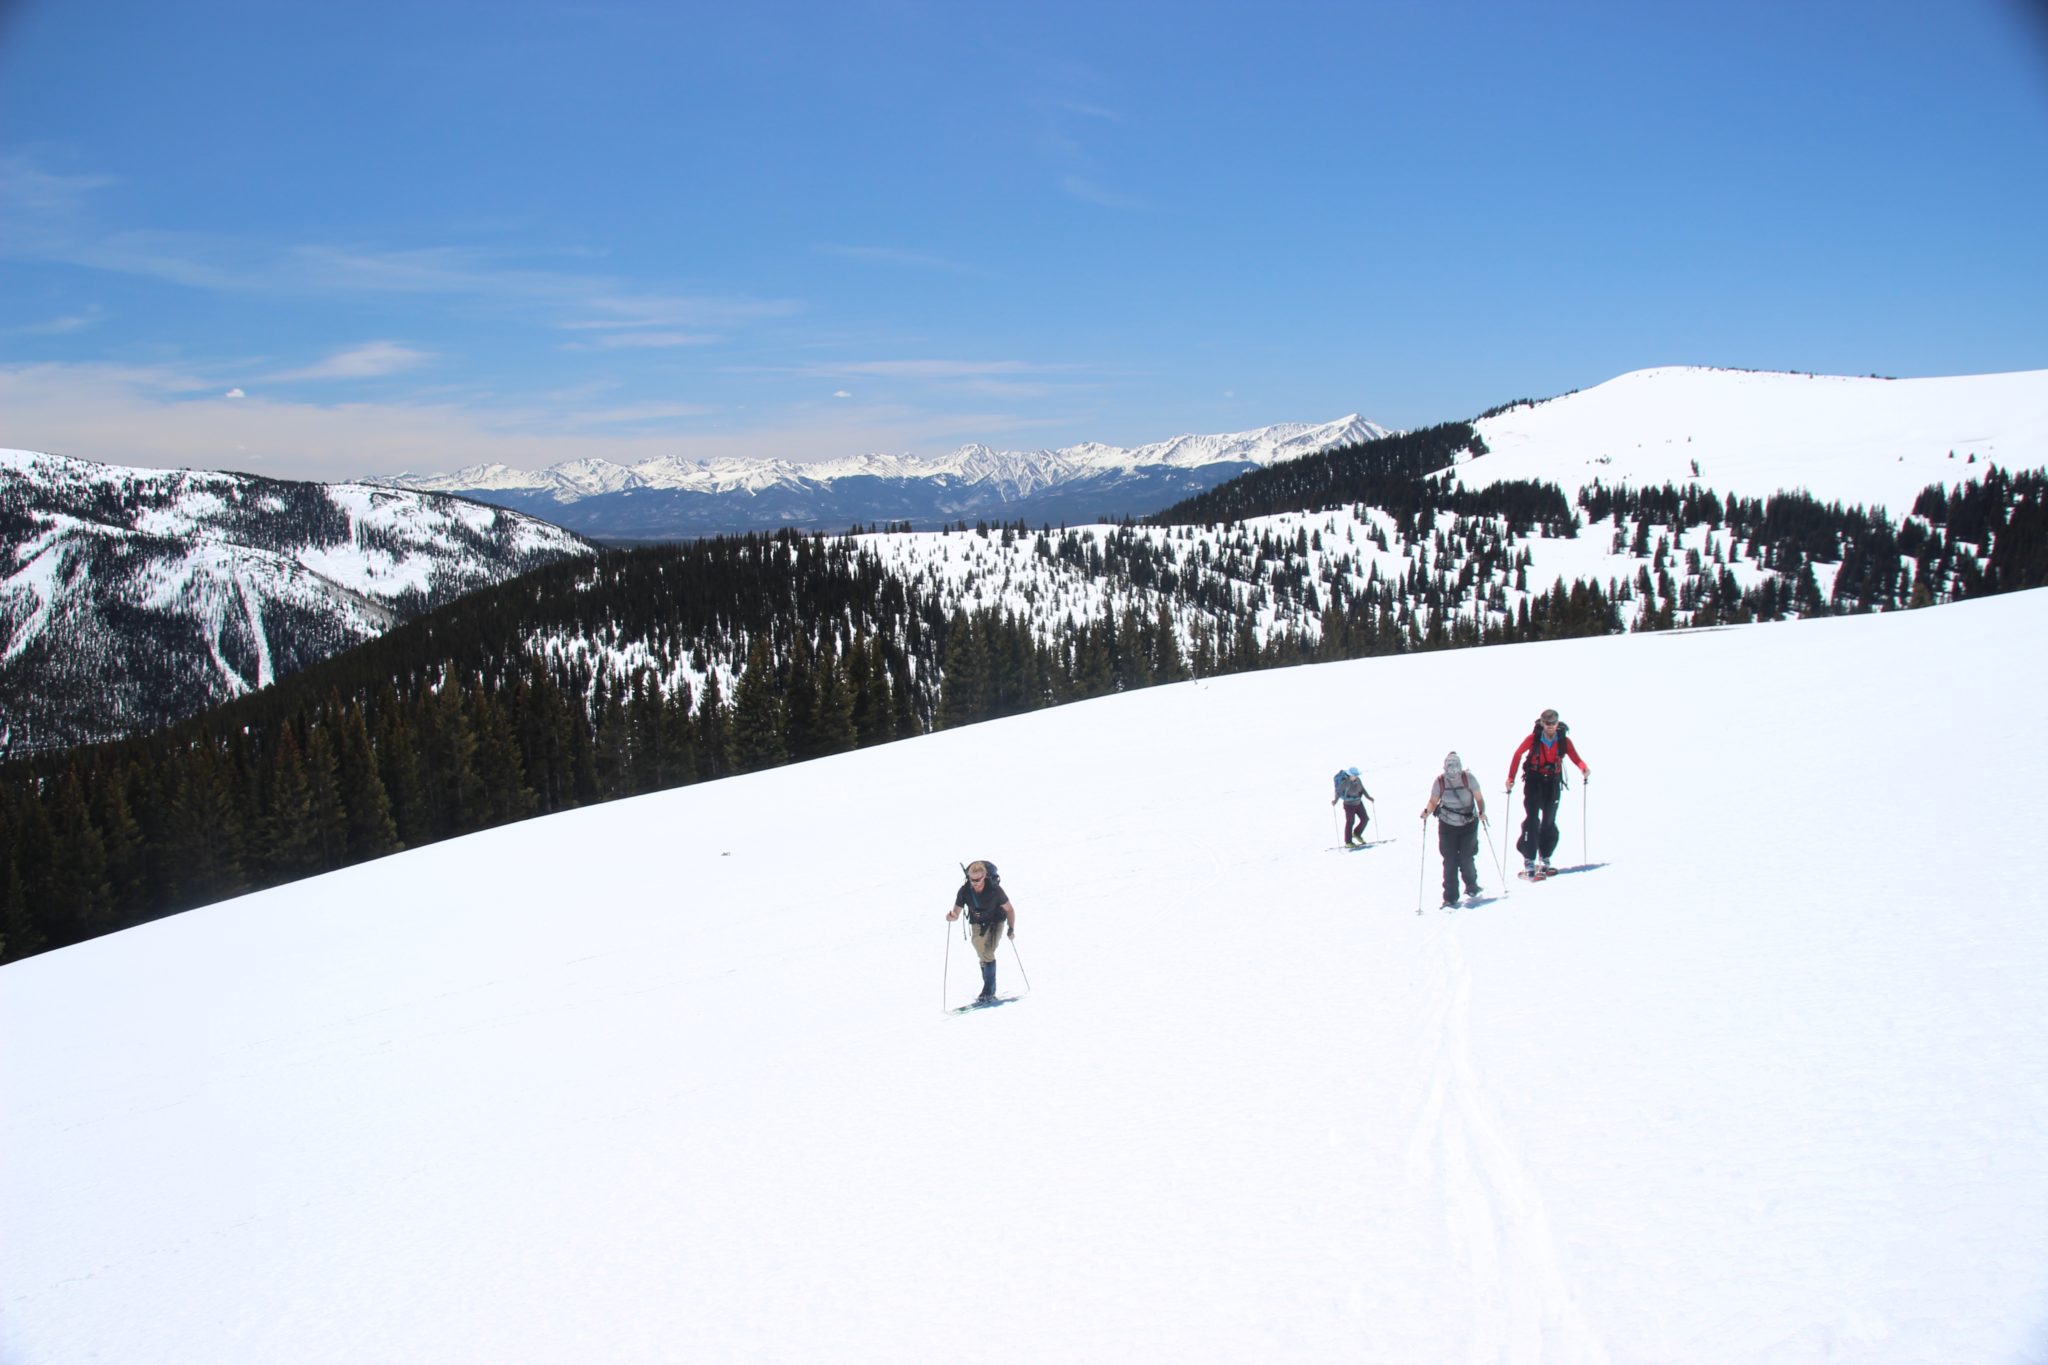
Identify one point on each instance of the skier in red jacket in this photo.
(1540, 761)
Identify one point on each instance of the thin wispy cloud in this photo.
(641, 414)
(58, 326)
(46, 216)
(163, 417)
(372, 360)
(622, 309)
(617, 341)
(929, 369)
(27, 190)
(1102, 196)
(901, 256)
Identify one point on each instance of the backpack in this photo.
(1349, 787)
(1532, 765)
(1457, 803)
(976, 912)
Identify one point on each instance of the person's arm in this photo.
(1010, 914)
(958, 906)
(1571, 752)
(1515, 763)
(1478, 796)
(1435, 795)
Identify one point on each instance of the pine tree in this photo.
(833, 729)
(204, 830)
(398, 764)
(371, 831)
(285, 833)
(757, 736)
(125, 845)
(327, 814)
(500, 777)
(78, 875)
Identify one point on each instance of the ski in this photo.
(974, 1005)
(1539, 875)
(1360, 848)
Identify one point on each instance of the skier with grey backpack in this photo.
(1459, 806)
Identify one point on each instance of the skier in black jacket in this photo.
(989, 915)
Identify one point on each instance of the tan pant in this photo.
(987, 938)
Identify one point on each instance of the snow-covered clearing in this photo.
(1762, 1079)
(1873, 442)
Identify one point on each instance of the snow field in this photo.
(669, 1078)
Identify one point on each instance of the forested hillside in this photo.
(591, 680)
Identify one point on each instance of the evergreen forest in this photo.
(648, 668)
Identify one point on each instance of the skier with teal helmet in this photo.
(1351, 791)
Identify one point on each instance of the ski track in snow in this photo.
(1461, 1152)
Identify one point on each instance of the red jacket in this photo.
(1556, 754)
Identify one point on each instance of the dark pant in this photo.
(1538, 838)
(1460, 846)
(1354, 812)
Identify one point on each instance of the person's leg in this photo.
(986, 939)
(1447, 844)
(1468, 859)
(1550, 801)
(1530, 841)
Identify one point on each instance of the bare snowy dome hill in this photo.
(1874, 442)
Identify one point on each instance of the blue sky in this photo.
(329, 240)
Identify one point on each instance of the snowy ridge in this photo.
(1016, 473)
(1876, 442)
(656, 1077)
(130, 597)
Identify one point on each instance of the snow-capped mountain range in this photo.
(133, 596)
(669, 498)
(130, 597)
(1861, 442)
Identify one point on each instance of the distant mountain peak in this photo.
(974, 479)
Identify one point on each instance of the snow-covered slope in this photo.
(1876, 442)
(130, 597)
(1759, 1080)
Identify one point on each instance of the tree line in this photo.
(646, 669)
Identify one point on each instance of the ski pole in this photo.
(1020, 963)
(1499, 861)
(1336, 829)
(1585, 791)
(1422, 868)
(947, 971)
